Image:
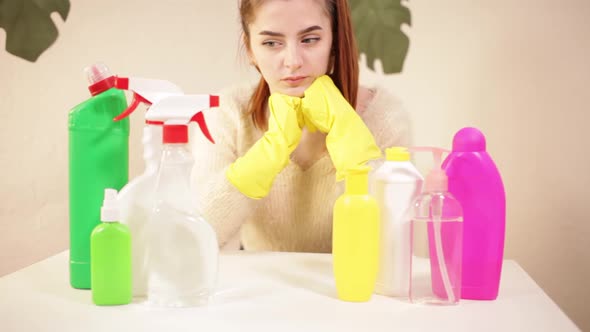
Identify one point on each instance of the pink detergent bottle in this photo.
(475, 181)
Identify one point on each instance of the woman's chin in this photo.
(297, 91)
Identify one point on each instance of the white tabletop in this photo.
(269, 292)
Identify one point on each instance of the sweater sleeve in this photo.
(218, 201)
(388, 121)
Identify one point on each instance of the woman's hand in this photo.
(349, 141)
(254, 173)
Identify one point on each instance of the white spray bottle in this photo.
(181, 247)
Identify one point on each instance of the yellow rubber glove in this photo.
(254, 172)
(349, 141)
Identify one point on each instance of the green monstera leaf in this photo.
(377, 25)
(28, 25)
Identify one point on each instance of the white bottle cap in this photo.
(110, 206)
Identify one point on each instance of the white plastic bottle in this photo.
(396, 184)
(136, 198)
(182, 251)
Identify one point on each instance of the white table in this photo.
(269, 292)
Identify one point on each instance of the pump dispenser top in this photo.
(437, 179)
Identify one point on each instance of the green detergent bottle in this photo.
(98, 159)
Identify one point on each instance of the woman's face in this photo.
(290, 42)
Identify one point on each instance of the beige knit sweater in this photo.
(297, 213)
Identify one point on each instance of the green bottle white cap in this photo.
(110, 206)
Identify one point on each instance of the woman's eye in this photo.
(270, 43)
(310, 40)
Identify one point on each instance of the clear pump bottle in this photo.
(437, 237)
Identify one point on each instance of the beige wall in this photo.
(519, 70)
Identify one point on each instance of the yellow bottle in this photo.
(355, 239)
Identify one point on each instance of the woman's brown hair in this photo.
(343, 64)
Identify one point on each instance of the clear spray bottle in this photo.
(436, 239)
(181, 247)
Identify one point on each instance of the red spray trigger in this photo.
(134, 103)
(200, 119)
(122, 83)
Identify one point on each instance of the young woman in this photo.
(270, 177)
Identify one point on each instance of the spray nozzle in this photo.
(147, 91)
(437, 179)
(176, 112)
(110, 206)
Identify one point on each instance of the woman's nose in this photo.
(293, 58)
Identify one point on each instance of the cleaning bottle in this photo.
(355, 239)
(98, 159)
(475, 181)
(136, 198)
(181, 247)
(110, 256)
(437, 236)
(396, 184)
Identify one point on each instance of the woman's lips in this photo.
(294, 80)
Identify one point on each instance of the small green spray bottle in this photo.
(110, 256)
